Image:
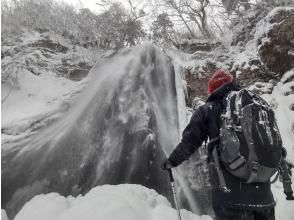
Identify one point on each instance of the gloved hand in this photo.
(290, 166)
(166, 165)
(289, 196)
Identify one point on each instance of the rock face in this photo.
(49, 44)
(262, 88)
(74, 72)
(262, 50)
(199, 71)
(244, 28)
(198, 175)
(193, 46)
(277, 50)
(40, 53)
(196, 87)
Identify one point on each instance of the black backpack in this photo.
(250, 145)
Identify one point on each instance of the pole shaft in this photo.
(176, 201)
(172, 182)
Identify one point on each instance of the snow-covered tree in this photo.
(162, 29)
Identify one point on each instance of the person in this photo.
(245, 201)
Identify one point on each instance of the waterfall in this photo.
(118, 131)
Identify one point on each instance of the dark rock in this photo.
(275, 53)
(41, 30)
(249, 76)
(75, 72)
(248, 23)
(287, 78)
(78, 74)
(197, 171)
(194, 46)
(196, 87)
(49, 44)
(262, 88)
(291, 107)
(290, 91)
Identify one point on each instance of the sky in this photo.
(91, 4)
(149, 18)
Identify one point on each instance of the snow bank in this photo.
(108, 202)
(35, 89)
(3, 215)
(284, 208)
(40, 100)
(285, 121)
(288, 76)
(284, 115)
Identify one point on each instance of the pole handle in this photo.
(170, 174)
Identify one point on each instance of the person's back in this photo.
(242, 200)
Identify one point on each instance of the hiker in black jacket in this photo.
(253, 201)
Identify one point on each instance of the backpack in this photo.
(250, 145)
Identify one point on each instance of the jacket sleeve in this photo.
(193, 136)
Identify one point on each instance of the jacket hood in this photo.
(223, 90)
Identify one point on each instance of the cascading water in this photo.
(117, 132)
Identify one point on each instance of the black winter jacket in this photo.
(204, 123)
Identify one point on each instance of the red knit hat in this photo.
(219, 78)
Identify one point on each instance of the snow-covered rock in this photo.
(275, 44)
(41, 73)
(262, 88)
(3, 215)
(194, 45)
(288, 76)
(108, 202)
(281, 103)
(262, 46)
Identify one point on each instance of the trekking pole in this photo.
(172, 182)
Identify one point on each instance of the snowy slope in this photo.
(108, 202)
(39, 98)
(281, 100)
(35, 86)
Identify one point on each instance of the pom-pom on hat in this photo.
(219, 78)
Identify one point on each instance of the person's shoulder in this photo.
(203, 110)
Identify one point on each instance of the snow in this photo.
(197, 63)
(242, 55)
(275, 95)
(261, 87)
(287, 76)
(3, 215)
(38, 98)
(30, 101)
(37, 94)
(107, 202)
(285, 121)
(277, 10)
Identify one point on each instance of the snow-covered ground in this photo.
(33, 91)
(285, 120)
(108, 202)
(38, 99)
(46, 95)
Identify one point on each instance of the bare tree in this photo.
(179, 13)
(192, 13)
(196, 10)
(163, 30)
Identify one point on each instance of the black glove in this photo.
(166, 165)
(290, 166)
(289, 196)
